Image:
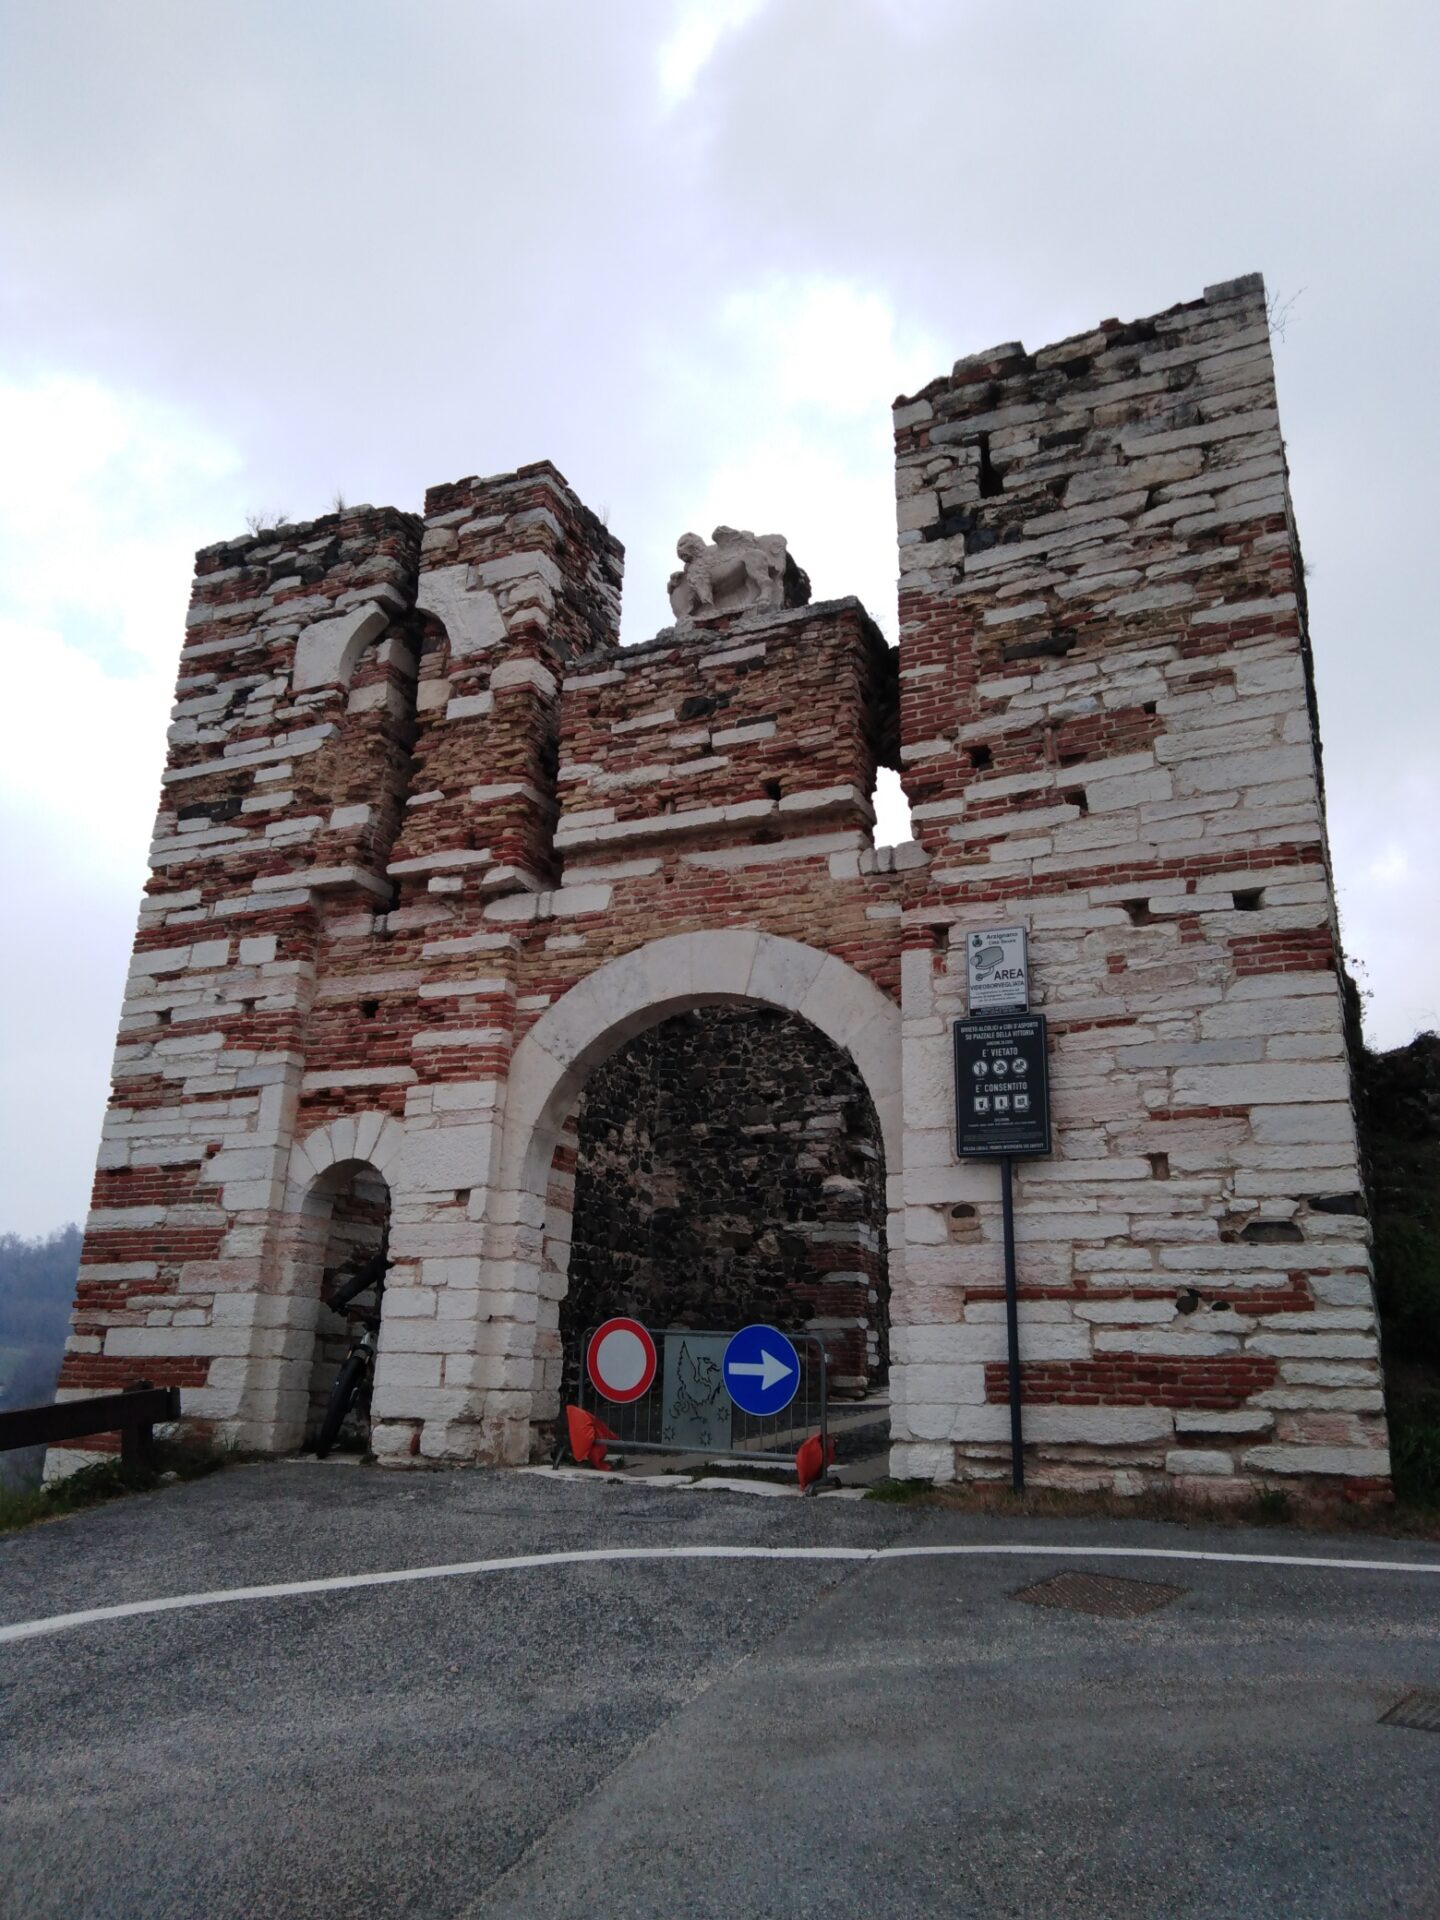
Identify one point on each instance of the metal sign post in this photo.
(1012, 1324)
(1002, 1110)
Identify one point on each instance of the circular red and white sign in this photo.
(621, 1361)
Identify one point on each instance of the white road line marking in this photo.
(519, 1563)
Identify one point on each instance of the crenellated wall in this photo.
(432, 846)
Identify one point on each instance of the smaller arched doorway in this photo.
(351, 1203)
(337, 1214)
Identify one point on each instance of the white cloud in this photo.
(1391, 866)
(789, 389)
(99, 493)
(1384, 853)
(698, 28)
(103, 498)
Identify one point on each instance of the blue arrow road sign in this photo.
(762, 1371)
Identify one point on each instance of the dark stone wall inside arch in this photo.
(730, 1169)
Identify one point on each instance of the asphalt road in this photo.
(698, 1737)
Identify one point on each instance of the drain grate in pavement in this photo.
(1099, 1593)
(1419, 1708)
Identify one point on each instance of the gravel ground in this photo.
(699, 1737)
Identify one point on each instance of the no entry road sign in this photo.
(762, 1371)
(621, 1360)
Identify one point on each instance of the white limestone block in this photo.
(445, 1158)
(342, 818)
(1271, 1083)
(569, 901)
(1314, 1346)
(1243, 1420)
(470, 615)
(926, 1420)
(435, 1336)
(943, 1186)
(327, 651)
(1343, 1289)
(1125, 1313)
(1320, 1123)
(950, 1349)
(396, 1369)
(928, 1462)
(1196, 1460)
(932, 1384)
(469, 706)
(1103, 796)
(239, 1164)
(1238, 1016)
(522, 673)
(1366, 1462)
(155, 1342)
(1173, 1342)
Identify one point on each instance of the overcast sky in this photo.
(253, 252)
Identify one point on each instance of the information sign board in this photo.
(997, 965)
(1002, 1087)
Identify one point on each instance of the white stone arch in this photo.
(375, 1138)
(549, 1068)
(289, 1310)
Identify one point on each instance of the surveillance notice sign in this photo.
(998, 969)
(1002, 1087)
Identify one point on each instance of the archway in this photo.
(548, 1073)
(729, 1169)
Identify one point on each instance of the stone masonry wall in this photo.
(372, 905)
(431, 846)
(730, 1170)
(1107, 730)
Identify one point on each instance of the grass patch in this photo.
(175, 1460)
(899, 1493)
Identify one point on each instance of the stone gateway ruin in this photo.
(572, 975)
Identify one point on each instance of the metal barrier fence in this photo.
(688, 1410)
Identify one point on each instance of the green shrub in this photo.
(1415, 1447)
(897, 1492)
(1407, 1286)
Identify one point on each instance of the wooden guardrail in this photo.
(133, 1414)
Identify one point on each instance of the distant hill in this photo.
(37, 1285)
